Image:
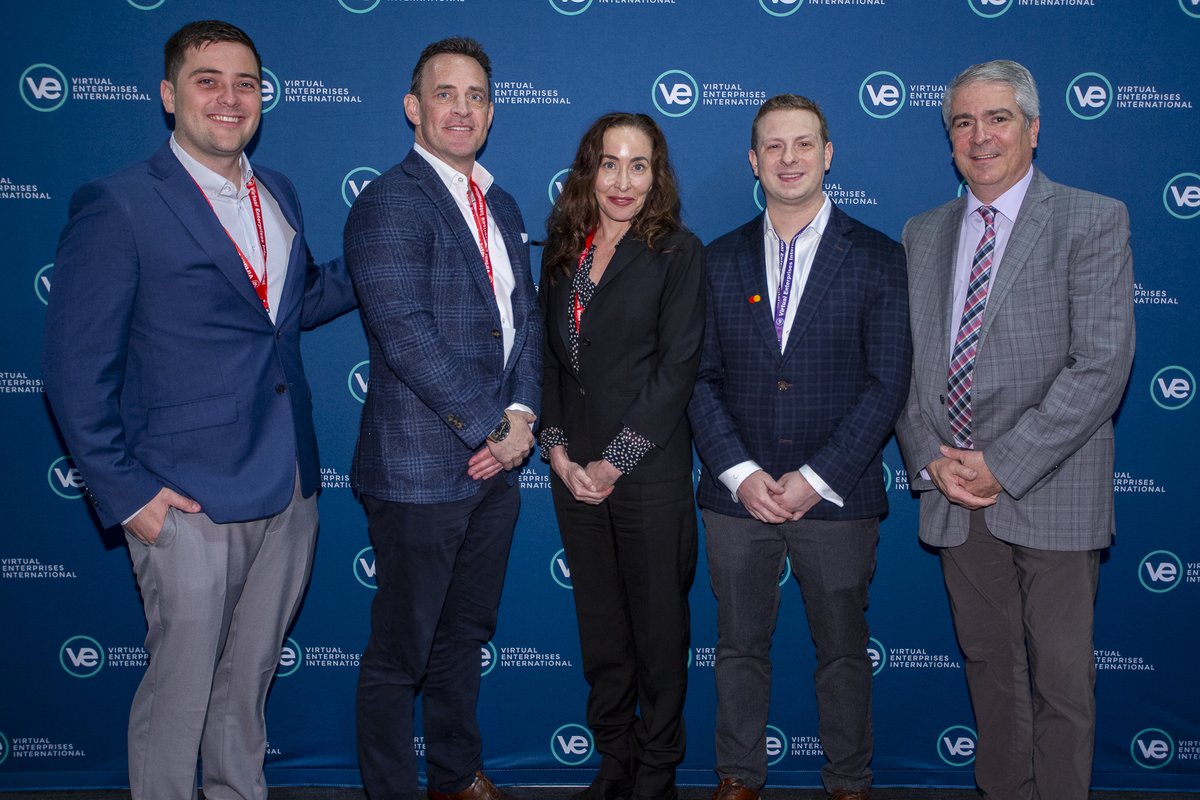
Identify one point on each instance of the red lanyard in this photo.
(576, 305)
(479, 213)
(259, 284)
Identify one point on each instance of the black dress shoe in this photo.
(606, 789)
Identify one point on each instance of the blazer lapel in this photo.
(944, 257)
(627, 250)
(437, 192)
(1031, 221)
(753, 269)
(293, 283)
(831, 252)
(195, 213)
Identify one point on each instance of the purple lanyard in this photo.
(787, 268)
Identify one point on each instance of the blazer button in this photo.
(495, 334)
(942, 399)
(582, 390)
(280, 388)
(784, 385)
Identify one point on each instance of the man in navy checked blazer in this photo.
(804, 368)
(440, 261)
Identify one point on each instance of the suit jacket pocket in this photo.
(207, 412)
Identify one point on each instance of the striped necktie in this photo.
(962, 360)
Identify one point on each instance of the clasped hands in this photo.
(496, 456)
(773, 501)
(964, 478)
(590, 484)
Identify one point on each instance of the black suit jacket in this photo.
(638, 353)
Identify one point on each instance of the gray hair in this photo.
(1000, 71)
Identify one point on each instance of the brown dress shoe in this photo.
(480, 789)
(733, 789)
(846, 794)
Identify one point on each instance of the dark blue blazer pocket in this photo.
(208, 412)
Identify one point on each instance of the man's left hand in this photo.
(603, 474)
(798, 494)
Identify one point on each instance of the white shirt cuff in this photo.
(733, 477)
(820, 486)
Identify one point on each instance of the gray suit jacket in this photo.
(1053, 358)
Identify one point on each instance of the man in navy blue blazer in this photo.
(172, 362)
(804, 369)
(440, 259)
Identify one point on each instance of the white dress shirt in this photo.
(231, 203)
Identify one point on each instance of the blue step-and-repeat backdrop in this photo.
(1120, 88)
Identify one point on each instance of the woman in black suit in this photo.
(622, 292)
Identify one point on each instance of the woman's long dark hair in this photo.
(576, 212)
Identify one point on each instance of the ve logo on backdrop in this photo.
(43, 87)
(1172, 387)
(675, 93)
(571, 744)
(882, 94)
(777, 745)
(560, 571)
(64, 478)
(270, 90)
(1152, 748)
(355, 181)
(1181, 195)
(780, 8)
(570, 7)
(1160, 571)
(359, 380)
(364, 567)
(291, 656)
(41, 283)
(990, 9)
(956, 745)
(81, 656)
(1089, 95)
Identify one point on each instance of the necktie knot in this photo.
(988, 213)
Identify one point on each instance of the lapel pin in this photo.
(755, 298)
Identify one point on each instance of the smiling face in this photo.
(624, 176)
(790, 160)
(217, 102)
(453, 113)
(991, 140)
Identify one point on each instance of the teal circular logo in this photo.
(41, 283)
(1172, 387)
(364, 568)
(878, 655)
(887, 477)
(956, 745)
(1152, 748)
(64, 478)
(1181, 196)
(43, 87)
(359, 379)
(291, 656)
(780, 8)
(990, 9)
(787, 571)
(777, 745)
(1194, 11)
(358, 6)
(760, 199)
(1089, 95)
(487, 658)
(555, 189)
(1160, 571)
(560, 571)
(882, 94)
(5, 747)
(81, 656)
(571, 8)
(146, 6)
(571, 744)
(355, 181)
(270, 90)
(675, 93)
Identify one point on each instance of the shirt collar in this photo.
(1009, 203)
(817, 225)
(211, 183)
(450, 176)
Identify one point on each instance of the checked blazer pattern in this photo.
(831, 398)
(1053, 357)
(438, 382)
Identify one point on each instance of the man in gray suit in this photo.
(1021, 298)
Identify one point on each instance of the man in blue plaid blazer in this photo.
(804, 367)
(440, 260)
